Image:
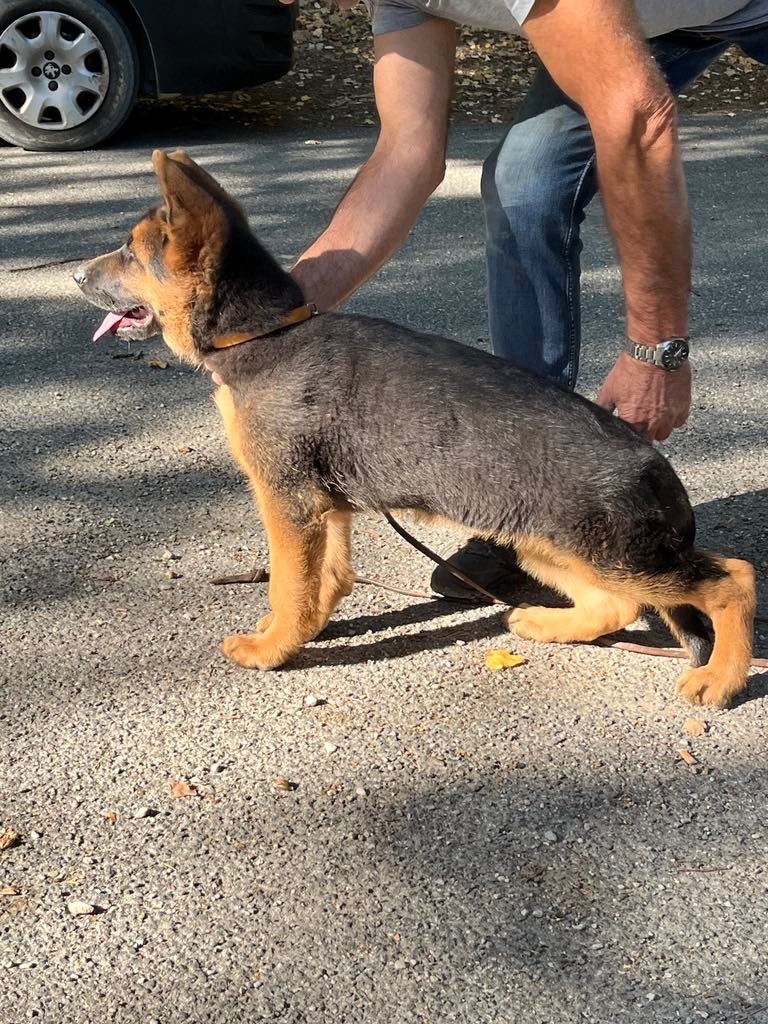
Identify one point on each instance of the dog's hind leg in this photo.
(337, 579)
(596, 609)
(297, 546)
(692, 630)
(728, 599)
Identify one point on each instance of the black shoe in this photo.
(489, 564)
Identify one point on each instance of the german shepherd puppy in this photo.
(338, 414)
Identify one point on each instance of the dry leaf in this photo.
(532, 872)
(78, 908)
(10, 890)
(111, 817)
(9, 839)
(285, 785)
(695, 726)
(496, 660)
(158, 364)
(687, 756)
(180, 789)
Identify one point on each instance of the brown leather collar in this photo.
(296, 316)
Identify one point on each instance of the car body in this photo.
(205, 47)
(70, 70)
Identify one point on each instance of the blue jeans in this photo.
(536, 186)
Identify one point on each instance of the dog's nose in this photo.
(80, 275)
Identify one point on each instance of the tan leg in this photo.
(338, 577)
(730, 604)
(295, 570)
(595, 612)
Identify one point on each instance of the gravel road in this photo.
(457, 845)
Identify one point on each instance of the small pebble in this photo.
(361, 791)
(144, 812)
(78, 908)
(217, 767)
(284, 785)
(313, 701)
(330, 748)
(550, 837)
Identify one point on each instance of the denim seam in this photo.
(569, 274)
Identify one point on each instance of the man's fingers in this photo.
(682, 418)
(642, 427)
(662, 430)
(605, 398)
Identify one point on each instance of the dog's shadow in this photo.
(741, 516)
(485, 627)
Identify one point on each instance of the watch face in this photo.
(674, 354)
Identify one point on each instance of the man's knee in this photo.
(536, 172)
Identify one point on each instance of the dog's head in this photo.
(168, 276)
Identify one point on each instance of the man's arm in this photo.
(413, 79)
(596, 52)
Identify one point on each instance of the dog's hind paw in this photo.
(705, 686)
(546, 625)
(249, 650)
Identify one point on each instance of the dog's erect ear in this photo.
(205, 180)
(190, 193)
(185, 198)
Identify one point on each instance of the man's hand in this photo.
(652, 400)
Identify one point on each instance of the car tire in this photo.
(117, 90)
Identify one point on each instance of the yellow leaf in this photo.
(496, 660)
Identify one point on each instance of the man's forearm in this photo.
(369, 225)
(643, 187)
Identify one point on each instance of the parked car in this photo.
(70, 70)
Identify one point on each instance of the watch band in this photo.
(657, 355)
(643, 353)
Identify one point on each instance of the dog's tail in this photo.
(692, 630)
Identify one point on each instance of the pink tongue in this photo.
(110, 323)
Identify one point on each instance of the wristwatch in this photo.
(670, 354)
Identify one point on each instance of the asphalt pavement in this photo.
(456, 844)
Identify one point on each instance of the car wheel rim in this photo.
(54, 72)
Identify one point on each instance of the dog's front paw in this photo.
(264, 623)
(705, 686)
(250, 650)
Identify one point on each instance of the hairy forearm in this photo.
(369, 225)
(644, 194)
